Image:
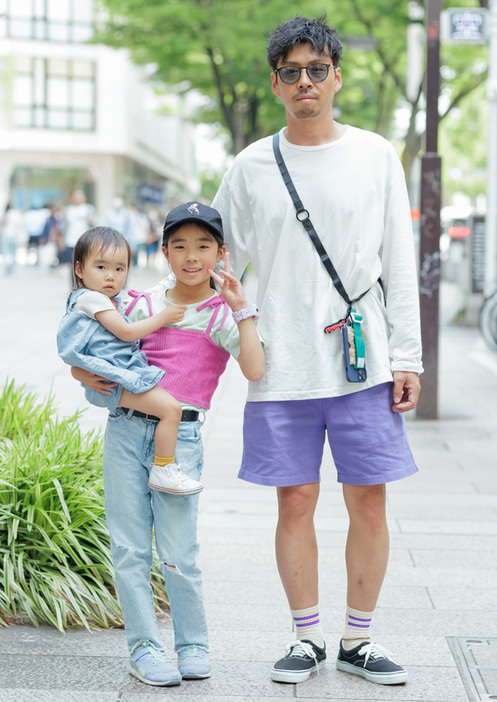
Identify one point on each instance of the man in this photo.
(352, 184)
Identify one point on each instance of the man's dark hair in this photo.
(301, 30)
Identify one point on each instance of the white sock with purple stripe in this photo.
(357, 628)
(307, 626)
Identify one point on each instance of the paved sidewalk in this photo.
(438, 608)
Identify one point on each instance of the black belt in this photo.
(186, 415)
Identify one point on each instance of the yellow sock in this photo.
(160, 461)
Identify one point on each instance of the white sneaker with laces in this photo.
(171, 479)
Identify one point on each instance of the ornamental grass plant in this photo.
(55, 560)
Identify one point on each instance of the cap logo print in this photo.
(193, 209)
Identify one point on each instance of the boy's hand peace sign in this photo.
(231, 288)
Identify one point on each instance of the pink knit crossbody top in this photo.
(192, 361)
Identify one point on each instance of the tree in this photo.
(462, 71)
(217, 47)
(464, 151)
(213, 46)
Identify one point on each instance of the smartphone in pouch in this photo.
(353, 374)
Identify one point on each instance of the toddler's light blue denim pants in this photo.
(133, 510)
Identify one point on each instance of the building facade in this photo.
(75, 114)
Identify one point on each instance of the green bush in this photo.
(55, 561)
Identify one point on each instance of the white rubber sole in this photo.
(195, 676)
(396, 678)
(136, 674)
(295, 676)
(179, 493)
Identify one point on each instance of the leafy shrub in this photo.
(55, 560)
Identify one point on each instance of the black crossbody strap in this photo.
(303, 217)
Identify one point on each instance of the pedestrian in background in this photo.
(51, 236)
(12, 235)
(79, 216)
(34, 221)
(118, 217)
(140, 226)
(352, 185)
(154, 237)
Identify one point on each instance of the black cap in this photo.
(194, 212)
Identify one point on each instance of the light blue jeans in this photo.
(133, 511)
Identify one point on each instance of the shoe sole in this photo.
(157, 683)
(396, 678)
(195, 676)
(181, 493)
(295, 676)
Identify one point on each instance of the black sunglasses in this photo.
(317, 72)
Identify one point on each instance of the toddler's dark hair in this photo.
(301, 30)
(95, 240)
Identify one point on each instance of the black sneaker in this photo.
(372, 662)
(301, 659)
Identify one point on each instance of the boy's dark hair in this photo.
(96, 239)
(301, 30)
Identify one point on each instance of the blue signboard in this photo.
(151, 193)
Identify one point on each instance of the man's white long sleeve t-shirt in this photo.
(354, 189)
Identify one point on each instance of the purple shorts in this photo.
(284, 440)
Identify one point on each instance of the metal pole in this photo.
(491, 223)
(431, 196)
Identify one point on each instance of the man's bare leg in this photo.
(296, 546)
(297, 558)
(366, 558)
(366, 553)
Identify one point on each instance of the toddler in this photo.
(94, 335)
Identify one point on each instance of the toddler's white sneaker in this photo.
(171, 479)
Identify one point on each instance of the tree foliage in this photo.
(217, 47)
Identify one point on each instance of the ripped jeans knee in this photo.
(171, 567)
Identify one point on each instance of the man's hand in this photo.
(406, 388)
(96, 382)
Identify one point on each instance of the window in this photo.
(47, 20)
(54, 94)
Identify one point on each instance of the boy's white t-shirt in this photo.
(354, 189)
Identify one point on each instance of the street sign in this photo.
(463, 25)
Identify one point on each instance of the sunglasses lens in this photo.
(317, 73)
(289, 75)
